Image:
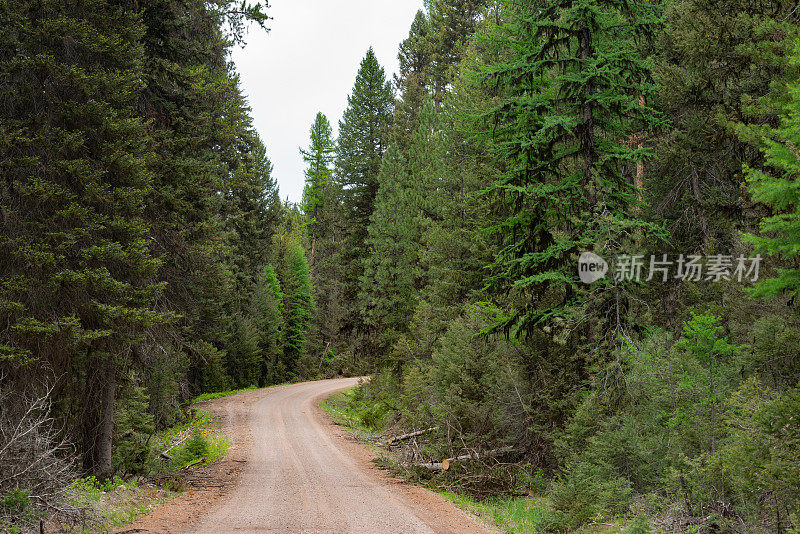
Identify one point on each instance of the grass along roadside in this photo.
(339, 407)
(199, 441)
(101, 506)
(211, 396)
(528, 514)
(512, 515)
(104, 506)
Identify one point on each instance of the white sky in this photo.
(308, 63)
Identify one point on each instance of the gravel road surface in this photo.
(290, 469)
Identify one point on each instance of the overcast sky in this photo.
(308, 63)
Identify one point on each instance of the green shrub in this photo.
(587, 491)
(374, 415)
(476, 381)
(15, 503)
(196, 447)
(640, 525)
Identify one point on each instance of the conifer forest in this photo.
(564, 238)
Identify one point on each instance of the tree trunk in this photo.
(587, 123)
(698, 196)
(445, 464)
(410, 435)
(640, 163)
(99, 420)
(713, 406)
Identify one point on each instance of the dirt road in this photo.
(290, 469)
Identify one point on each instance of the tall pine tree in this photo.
(362, 142)
(78, 279)
(570, 82)
(319, 157)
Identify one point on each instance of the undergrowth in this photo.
(110, 504)
(219, 394)
(200, 438)
(527, 510)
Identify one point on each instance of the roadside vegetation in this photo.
(105, 506)
(440, 245)
(151, 471)
(204, 397)
(659, 138)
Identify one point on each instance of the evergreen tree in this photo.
(703, 340)
(779, 188)
(319, 157)
(298, 304)
(452, 23)
(243, 362)
(251, 211)
(268, 310)
(327, 272)
(407, 199)
(413, 79)
(78, 279)
(455, 247)
(570, 81)
(362, 141)
(703, 90)
(208, 171)
(388, 288)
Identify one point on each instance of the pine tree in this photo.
(429, 59)
(208, 171)
(319, 157)
(407, 199)
(779, 188)
(455, 248)
(452, 23)
(298, 304)
(268, 311)
(362, 142)
(570, 81)
(388, 288)
(251, 211)
(413, 79)
(78, 279)
(715, 60)
(703, 340)
(327, 272)
(243, 360)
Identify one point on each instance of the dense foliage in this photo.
(145, 254)
(147, 257)
(526, 134)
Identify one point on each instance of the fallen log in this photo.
(180, 438)
(445, 464)
(190, 465)
(410, 435)
(431, 466)
(476, 456)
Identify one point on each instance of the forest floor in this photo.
(290, 468)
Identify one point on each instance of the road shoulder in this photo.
(433, 509)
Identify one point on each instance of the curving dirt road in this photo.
(290, 469)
